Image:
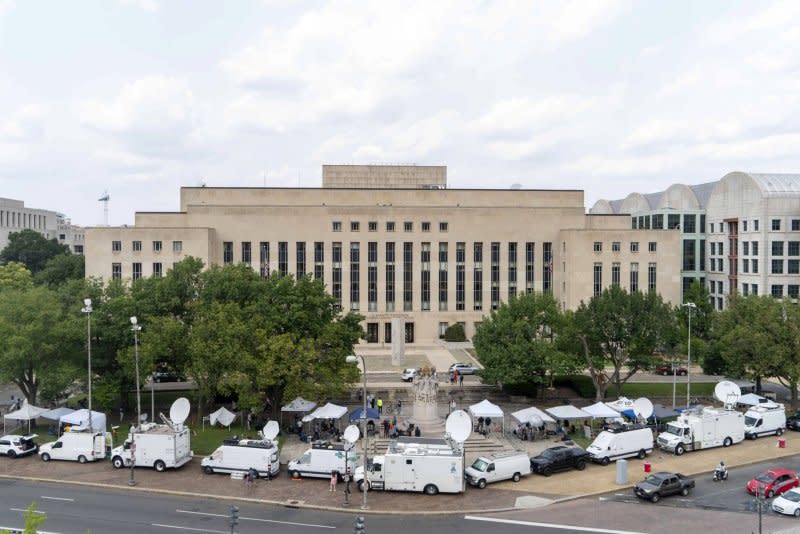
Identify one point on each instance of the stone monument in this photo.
(398, 342)
(425, 390)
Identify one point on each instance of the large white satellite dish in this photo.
(179, 410)
(727, 392)
(271, 430)
(459, 426)
(642, 407)
(351, 434)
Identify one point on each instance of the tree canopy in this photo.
(31, 249)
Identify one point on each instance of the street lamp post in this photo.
(354, 359)
(87, 309)
(135, 328)
(691, 307)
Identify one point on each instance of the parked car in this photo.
(463, 368)
(773, 482)
(793, 421)
(408, 375)
(788, 503)
(14, 446)
(559, 459)
(166, 376)
(663, 484)
(666, 370)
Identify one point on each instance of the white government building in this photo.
(15, 217)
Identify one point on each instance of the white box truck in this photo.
(156, 446)
(621, 441)
(428, 465)
(496, 467)
(240, 455)
(321, 459)
(765, 419)
(702, 429)
(77, 446)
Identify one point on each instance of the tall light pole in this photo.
(691, 306)
(87, 309)
(354, 359)
(135, 328)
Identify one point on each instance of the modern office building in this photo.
(394, 242)
(739, 234)
(15, 217)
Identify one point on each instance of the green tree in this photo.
(517, 345)
(789, 372)
(621, 331)
(15, 275)
(32, 249)
(61, 268)
(32, 519)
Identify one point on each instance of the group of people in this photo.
(374, 403)
(484, 425)
(527, 432)
(456, 378)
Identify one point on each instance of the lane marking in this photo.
(25, 510)
(550, 525)
(58, 498)
(189, 528)
(256, 519)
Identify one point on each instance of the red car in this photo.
(773, 482)
(668, 370)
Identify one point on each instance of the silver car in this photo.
(463, 368)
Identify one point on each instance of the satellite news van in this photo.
(764, 419)
(427, 465)
(241, 455)
(321, 459)
(706, 427)
(158, 446)
(499, 466)
(624, 440)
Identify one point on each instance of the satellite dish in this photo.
(271, 430)
(727, 392)
(179, 410)
(643, 408)
(351, 433)
(458, 425)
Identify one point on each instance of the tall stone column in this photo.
(398, 342)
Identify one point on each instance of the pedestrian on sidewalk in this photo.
(456, 376)
(380, 405)
(334, 480)
(386, 428)
(461, 380)
(121, 413)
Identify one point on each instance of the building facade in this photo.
(15, 217)
(429, 255)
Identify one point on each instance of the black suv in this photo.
(793, 421)
(559, 459)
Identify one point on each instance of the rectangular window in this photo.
(745, 265)
(777, 266)
(116, 246)
(776, 227)
(246, 253)
(598, 246)
(794, 248)
(777, 291)
(461, 254)
(355, 287)
(408, 226)
(702, 224)
(354, 226)
(615, 272)
(512, 269)
(477, 276)
(777, 248)
(744, 228)
(387, 332)
(300, 259)
(372, 286)
(530, 266)
(442, 226)
(336, 275)
(409, 332)
(793, 267)
(426, 227)
(227, 252)
(745, 289)
(634, 246)
(754, 246)
(689, 257)
(137, 246)
(372, 252)
(137, 270)
(283, 258)
(633, 223)
(719, 265)
(615, 246)
(495, 275)
(263, 258)
(442, 276)
(673, 221)
(372, 332)
(651, 276)
(651, 246)
(795, 225)
(755, 229)
(390, 226)
(156, 246)
(116, 271)
(754, 263)
(319, 260)
(721, 248)
(390, 277)
(547, 257)
(408, 276)
(745, 248)
(177, 247)
(658, 221)
(792, 290)
(337, 226)
(373, 227)
(157, 272)
(425, 276)
(702, 266)
(598, 279)
(754, 289)
(689, 223)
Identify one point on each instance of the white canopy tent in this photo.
(79, 419)
(529, 415)
(26, 413)
(601, 410)
(751, 399)
(486, 409)
(621, 404)
(568, 411)
(299, 404)
(329, 411)
(222, 416)
(56, 413)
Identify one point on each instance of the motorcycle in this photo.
(720, 475)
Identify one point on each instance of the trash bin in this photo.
(647, 467)
(622, 471)
(781, 443)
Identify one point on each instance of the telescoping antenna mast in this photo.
(104, 199)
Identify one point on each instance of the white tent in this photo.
(751, 399)
(56, 413)
(299, 404)
(600, 410)
(568, 412)
(26, 413)
(79, 419)
(528, 414)
(622, 403)
(222, 416)
(486, 409)
(329, 411)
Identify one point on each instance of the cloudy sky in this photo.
(140, 97)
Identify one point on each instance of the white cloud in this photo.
(25, 125)
(6, 6)
(151, 6)
(532, 114)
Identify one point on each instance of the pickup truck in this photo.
(558, 459)
(663, 484)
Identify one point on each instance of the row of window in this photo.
(136, 270)
(633, 278)
(775, 226)
(750, 248)
(17, 219)
(136, 246)
(372, 226)
(616, 246)
(673, 221)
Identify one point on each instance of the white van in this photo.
(621, 441)
(496, 467)
(239, 455)
(75, 446)
(322, 458)
(764, 419)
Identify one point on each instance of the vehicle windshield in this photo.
(480, 465)
(653, 479)
(793, 496)
(547, 453)
(750, 421)
(305, 459)
(765, 477)
(674, 429)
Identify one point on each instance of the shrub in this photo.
(455, 332)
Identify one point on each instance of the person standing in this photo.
(385, 428)
(461, 380)
(456, 376)
(380, 405)
(334, 480)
